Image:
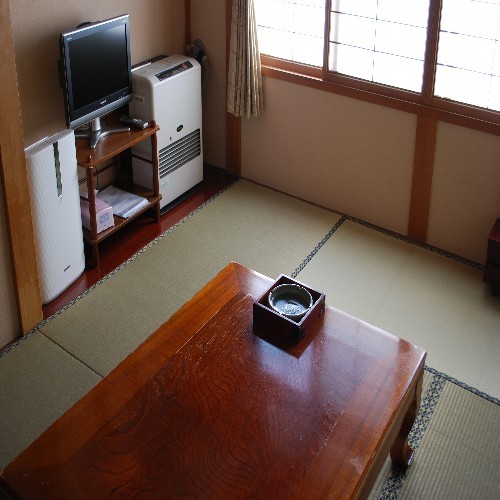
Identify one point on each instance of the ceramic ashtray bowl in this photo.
(292, 301)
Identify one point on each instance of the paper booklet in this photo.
(124, 204)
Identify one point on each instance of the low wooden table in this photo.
(205, 408)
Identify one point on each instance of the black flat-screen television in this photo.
(95, 74)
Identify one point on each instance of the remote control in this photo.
(134, 122)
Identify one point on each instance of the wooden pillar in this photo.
(15, 185)
(423, 165)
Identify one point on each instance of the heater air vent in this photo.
(179, 153)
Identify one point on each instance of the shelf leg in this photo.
(95, 255)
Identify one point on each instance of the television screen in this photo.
(96, 72)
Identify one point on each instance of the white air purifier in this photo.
(169, 92)
(55, 206)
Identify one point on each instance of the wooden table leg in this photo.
(157, 212)
(401, 451)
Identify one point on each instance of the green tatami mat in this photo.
(431, 300)
(459, 455)
(456, 439)
(39, 381)
(257, 227)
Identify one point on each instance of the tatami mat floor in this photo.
(429, 299)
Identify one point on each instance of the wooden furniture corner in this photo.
(492, 267)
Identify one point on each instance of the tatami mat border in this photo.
(18, 342)
(304, 263)
(425, 246)
(463, 385)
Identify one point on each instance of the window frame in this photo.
(422, 103)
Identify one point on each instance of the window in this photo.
(468, 59)
(292, 30)
(380, 41)
(440, 53)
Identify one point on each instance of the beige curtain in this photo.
(244, 84)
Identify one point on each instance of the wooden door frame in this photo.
(15, 186)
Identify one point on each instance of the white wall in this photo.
(208, 23)
(340, 153)
(357, 158)
(465, 200)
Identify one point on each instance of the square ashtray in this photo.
(287, 309)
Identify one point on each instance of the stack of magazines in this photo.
(124, 204)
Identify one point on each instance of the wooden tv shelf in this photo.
(110, 148)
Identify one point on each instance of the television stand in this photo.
(105, 155)
(97, 131)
